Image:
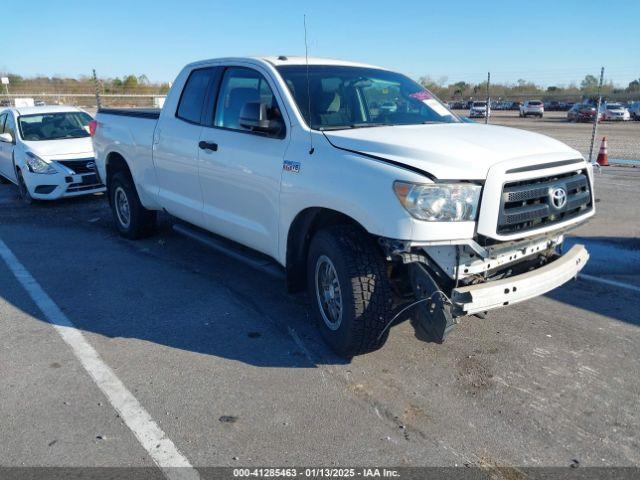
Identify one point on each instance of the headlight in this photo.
(439, 202)
(37, 165)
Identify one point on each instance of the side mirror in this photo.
(253, 116)
(6, 137)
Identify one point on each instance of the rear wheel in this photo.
(23, 191)
(349, 290)
(132, 220)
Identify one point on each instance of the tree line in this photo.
(140, 84)
(128, 84)
(523, 88)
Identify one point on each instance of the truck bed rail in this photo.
(153, 113)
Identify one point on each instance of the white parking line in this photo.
(160, 448)
(613, 283)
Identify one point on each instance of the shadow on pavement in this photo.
(612, 258)
(167, 290)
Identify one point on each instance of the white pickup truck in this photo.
(371, 209)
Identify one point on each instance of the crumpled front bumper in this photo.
(487, 296)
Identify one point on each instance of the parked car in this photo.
(478, 109)
(39, 103)
(532, 107)
(634, 110)
(363, 209)
(615, 112)
(552, 106)
(582, 112)
(47, 152)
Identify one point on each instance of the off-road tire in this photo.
(364, 285)
(142, 222)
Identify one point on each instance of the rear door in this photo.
(240, 176)
(175, 149)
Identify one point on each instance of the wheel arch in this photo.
(305, 224)
(114, 163)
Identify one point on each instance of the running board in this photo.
(250, 258)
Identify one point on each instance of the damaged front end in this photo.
(448, 280)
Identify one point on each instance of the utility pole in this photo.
(595, 120)
(486, 118)
(97, 87)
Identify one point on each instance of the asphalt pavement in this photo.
(232, 372)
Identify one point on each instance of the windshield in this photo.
(614, 106)
(54, 126)
(479, 104)
(535, 104)
(355, 97)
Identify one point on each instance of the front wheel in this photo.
(349, 290)
(132, 220)
(23, 191)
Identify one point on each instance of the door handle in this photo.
(208, 146)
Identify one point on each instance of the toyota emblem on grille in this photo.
(91, 165)
(558, 196)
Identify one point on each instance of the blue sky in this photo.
(548, 42)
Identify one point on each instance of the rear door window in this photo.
(3, 117)
(192, 101)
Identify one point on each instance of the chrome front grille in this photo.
(537, 203)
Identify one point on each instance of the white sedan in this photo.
(47, 152)
(615, 111)
(478, 109)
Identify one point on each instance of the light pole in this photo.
(595, 121)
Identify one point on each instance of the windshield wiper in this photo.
(357, 125)
(369, 125)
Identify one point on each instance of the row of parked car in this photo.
(576, 112)
(609, 111)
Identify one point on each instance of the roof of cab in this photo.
(282, 60)
(300, 60)
(46, 109)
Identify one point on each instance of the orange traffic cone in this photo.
(603, 156)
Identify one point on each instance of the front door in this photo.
(240, 178)
(7, 125)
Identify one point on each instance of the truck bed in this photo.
(153, 113)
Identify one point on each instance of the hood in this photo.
(453, 151)
(63, 149)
